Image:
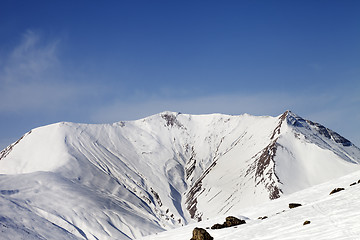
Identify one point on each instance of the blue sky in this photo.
(101, 62)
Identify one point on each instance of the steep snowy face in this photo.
(331, 217)
(167, 170)
(316, 153)
(43, 149)
(268, 157)
(236, 176)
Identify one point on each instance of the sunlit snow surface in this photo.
(333, 216)
(131, 179)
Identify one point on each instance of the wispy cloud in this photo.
(31, 80)
(31, 60)
(31, 77)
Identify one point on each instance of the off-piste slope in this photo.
(130, 179)
(330, 217)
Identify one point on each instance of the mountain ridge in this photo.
(170, 169)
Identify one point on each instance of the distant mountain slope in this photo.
(129, 179)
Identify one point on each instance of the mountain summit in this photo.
(129, 179)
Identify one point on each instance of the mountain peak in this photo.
(299, 122)
(170, 118)
(165, 170)
(169, 113)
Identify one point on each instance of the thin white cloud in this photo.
(30, 80)
(31, 77)
(31, 61)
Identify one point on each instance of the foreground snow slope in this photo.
(333, 216)
(130, 179)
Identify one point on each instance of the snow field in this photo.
(333, 216)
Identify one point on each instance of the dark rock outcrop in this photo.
(353, 184)
(229, 222)
(171, 120)
(201, 234)
(294, 205)
(217, 226)
(329, 134)
(264, 169)
(8, 149)
(233, 221)
(306, 222)
(335, 190)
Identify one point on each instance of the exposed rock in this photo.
(191, 196)
(294, 205)
(8, 149)
(336, 190)
(230, 222)
(217, 226)
(191, 200)
(264, 173)
(201, 234)
(295, 120)
(306, 222)
(359, 181)
(233, 221)
(262, 218)
(157, 197)
(352, 184)
(280, 212)
(329, 134)
(171, 120)
(277, 129)
(191, 162)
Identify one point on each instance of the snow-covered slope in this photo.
(331, 217)
(130, 179)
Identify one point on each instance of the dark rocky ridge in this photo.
(7, 150)
(329, 134)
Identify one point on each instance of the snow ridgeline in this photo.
(130, 179)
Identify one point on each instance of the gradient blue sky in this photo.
(106, 61)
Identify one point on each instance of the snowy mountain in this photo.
(330, 217)
(130, 179)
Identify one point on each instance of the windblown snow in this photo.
(131, 179)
